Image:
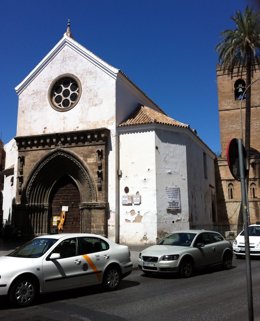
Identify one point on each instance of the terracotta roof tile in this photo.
(146, 115)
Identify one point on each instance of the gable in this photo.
(69, 42)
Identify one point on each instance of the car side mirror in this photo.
(200, 245)
(54, 256)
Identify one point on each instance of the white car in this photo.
(254, 242)
(59, 262)
(185, 251)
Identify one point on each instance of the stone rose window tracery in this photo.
(65, 93)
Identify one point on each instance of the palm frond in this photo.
(240, 47)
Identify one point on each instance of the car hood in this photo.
(158, 250)
(252, 239)
(9, 263)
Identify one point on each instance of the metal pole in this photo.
(246, 236)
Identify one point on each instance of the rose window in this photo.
(65, 93)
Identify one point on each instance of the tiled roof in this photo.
(146, 115)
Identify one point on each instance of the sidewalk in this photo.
(8, 246)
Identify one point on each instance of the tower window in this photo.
(253, 190)
(239, 89)
(205, 167)
(230, 191)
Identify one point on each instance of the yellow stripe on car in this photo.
(93, 266)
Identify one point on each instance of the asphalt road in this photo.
(214, 295)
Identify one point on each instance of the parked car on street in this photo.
(59, 262)
(185, 251)
(254, 242)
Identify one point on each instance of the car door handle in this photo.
(77, 262)
(106, 256)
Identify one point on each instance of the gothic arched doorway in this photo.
(65, 197)
(59, 180)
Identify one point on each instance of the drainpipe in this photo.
(117, 189)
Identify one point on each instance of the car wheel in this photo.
(186, 268)
(227, 261)
(112, 278)
(23, 292)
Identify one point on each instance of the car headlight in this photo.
(140, 255)
(172, 257)
(235, 242)
(258, 244)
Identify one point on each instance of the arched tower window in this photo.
(253, 190)
(239, 89)
(230, 191)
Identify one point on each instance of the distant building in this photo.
(10, 180)
(94, 150)
(2, 165)
(231, 107)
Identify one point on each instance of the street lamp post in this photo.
(245, 211)
(244, 205)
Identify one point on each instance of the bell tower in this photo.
(232, 93)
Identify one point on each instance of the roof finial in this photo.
(68, 31)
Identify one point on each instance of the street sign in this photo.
(233, 158)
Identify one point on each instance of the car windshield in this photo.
(253, 231)
(179, 239)
(34, 248)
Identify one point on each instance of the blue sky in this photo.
(166, 47)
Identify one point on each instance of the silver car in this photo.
(60, 262)
(186, 251)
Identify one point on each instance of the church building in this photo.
(93, 153)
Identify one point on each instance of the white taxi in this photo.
(59, 262)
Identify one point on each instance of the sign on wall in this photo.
(174, 199)
(129, 199)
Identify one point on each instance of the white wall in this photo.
(202, 189)
(10, 182)
(137, 164)
(128, 97)
(35, 114)
(171, 173)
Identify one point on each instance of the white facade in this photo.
(163, 168)
(10, 181)
(156, 172)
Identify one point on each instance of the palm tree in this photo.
(239, 52)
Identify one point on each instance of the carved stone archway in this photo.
(44, 160)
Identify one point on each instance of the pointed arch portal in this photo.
(60, 180)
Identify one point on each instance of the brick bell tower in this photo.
(231, 106)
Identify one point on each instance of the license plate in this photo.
(241, 249)
(148, 264)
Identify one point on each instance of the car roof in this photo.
(194, 231)
(65, 235)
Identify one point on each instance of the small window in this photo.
(66, 248)
(89, 245)
(216, 237)
(203, 238)
(239, 89)
(205, 165)
(252, 190)
(230, 191)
